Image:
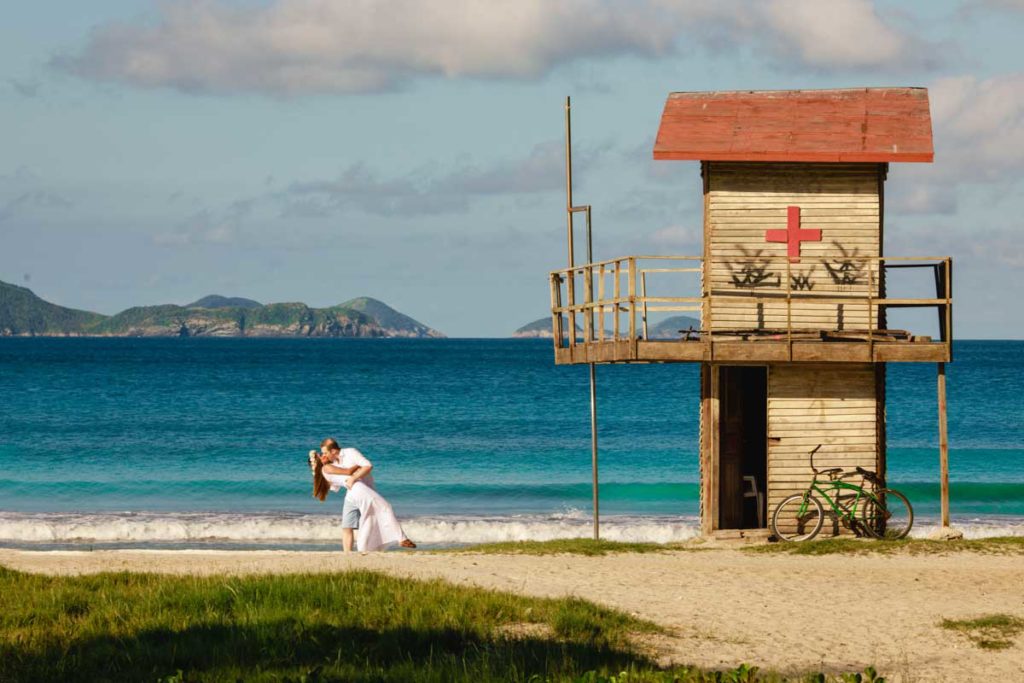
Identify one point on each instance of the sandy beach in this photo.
(724, 606)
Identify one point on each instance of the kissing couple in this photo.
(365, 511)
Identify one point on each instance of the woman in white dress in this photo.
(367, 517)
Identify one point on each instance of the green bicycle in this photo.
(879, 513)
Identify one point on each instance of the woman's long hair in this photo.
(320, 485)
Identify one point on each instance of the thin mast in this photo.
(569, 211)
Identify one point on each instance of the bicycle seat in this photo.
(869, 475)
(831, 470)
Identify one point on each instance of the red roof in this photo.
(854, 124)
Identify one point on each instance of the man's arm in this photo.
(334, 469)
(363, 468)
(359, 473)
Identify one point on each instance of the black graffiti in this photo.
(801, 281)
(753, 271)
(845, 270)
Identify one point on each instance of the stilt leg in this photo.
(943, 446)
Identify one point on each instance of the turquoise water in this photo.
(199, 440)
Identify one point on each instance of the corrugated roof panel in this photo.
(855, 124)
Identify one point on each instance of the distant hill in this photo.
(670, 327)
(22, 313)
(218, 301)
(538, 329)
(667, 329)
(401, 324)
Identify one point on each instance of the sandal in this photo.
(406, 543)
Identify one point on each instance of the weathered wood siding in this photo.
(838, 405)
(744, 200)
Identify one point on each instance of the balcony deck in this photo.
(761, 351)
(804, 338)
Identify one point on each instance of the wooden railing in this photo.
(616, 303)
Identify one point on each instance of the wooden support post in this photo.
(556, 305)
(943, 447)
(616, 292)
(632, 306)
(588, 298)
(643, 295)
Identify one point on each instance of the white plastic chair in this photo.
(757, 496)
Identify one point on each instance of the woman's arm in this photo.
(334, 469)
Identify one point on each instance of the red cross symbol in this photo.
(793, 235)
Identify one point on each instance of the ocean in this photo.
(203, 442)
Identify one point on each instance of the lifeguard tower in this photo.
(791, 289)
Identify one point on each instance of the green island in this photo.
(22, 313)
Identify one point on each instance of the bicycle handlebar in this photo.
(813, 468)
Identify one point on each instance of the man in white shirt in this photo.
(349, 461)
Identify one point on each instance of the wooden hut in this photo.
(790, 289)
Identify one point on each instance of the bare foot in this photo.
(406, 543)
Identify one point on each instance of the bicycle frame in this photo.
(835, 486)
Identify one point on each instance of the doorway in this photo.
(743, 447)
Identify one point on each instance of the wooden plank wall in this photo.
(832, 404)
(744, 200)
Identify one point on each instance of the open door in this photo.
(743, 447)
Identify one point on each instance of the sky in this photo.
(319, 150)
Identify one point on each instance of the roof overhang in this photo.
(846, 125)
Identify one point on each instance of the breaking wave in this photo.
(292, 529)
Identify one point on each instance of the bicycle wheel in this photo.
(888, 518)
(790, 523)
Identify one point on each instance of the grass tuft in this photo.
(990, 632)
(1008, 545)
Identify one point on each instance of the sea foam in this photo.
(286, 529)
(142, 529)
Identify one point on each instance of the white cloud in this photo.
(979, 124)
(978, 131)
(208, 227)
(33, 199)
(359, 187)
(839, 33)
(676, 236)
(296, 47)
(996, 4)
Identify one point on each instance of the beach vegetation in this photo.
(345, 626)
(1007, 545)
(989, 632)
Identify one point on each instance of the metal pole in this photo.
(593, 399)
(943, 447)
(569, 210)
(568, 184)
(593, 447)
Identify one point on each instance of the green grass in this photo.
(990, 632)
(345, 626)
(1009, 545)
(567, 546)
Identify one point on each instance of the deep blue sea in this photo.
(150, 442)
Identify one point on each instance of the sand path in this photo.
(725, 606)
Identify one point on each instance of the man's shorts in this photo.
(349, 515)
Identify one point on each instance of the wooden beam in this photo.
(943, 446)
